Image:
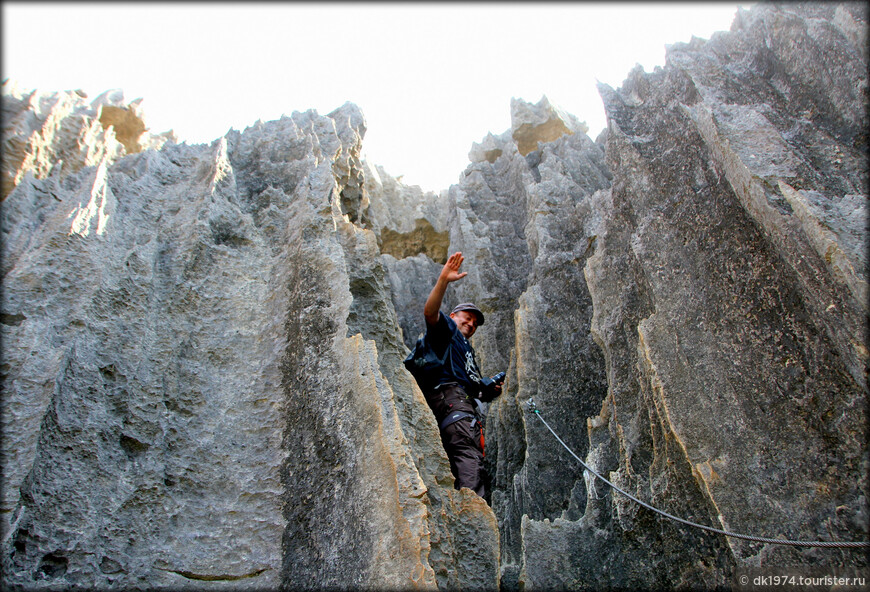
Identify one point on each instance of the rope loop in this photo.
(830, 544)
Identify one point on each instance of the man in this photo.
(452, 400)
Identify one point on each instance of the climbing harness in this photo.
(454, 417)
(850, 544)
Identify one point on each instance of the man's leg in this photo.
(466, 458)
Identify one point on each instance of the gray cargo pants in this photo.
(461, 440)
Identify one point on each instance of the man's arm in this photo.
(449, 273)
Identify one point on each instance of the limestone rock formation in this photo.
(202, 344)
(59, 133)
(201, 378)
(541, 123)
(728, 282)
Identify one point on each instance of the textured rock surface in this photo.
(202, 345)
(59, 133)
(730, 306)
(689, 313)
(201, 378)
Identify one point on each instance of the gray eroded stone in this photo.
(202, 345)
(202, 380)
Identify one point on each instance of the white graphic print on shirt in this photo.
(471, 367)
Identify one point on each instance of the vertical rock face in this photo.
(202, 345)
(729, 287)
(689, 313)
(201, 378)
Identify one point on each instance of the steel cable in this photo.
(849, 544)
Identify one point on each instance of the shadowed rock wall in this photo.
(689, 312)
(202, 345)
(728, 281)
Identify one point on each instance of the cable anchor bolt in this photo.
(531, 405)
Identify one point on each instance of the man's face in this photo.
(466, 321)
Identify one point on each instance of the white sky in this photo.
(430, 78)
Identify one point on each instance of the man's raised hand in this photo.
(450, 272)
